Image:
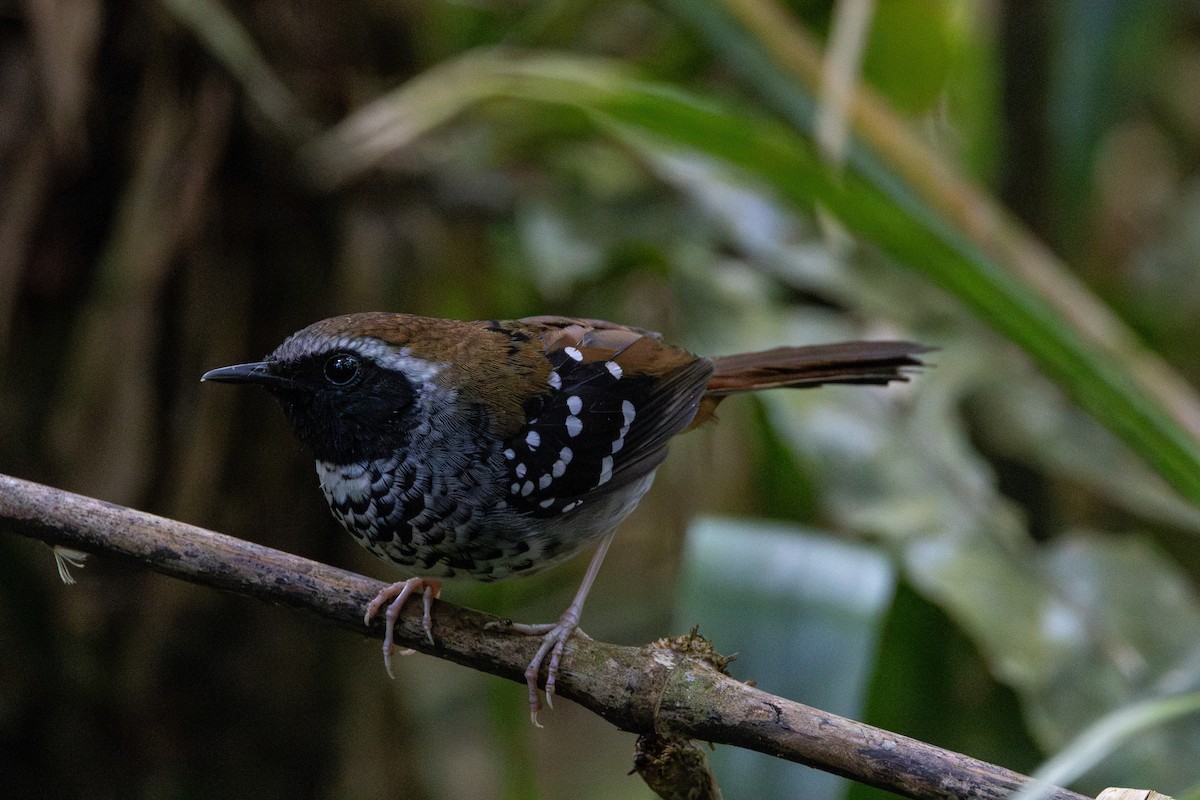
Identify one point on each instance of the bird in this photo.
(496, 449)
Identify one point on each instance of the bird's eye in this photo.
(341, 369)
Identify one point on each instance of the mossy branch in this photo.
(668, 690)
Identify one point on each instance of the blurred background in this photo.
(999, 557)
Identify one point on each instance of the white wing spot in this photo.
(571, 506)
(520, 470)
(558, 469)
(566, 454)
(574, 426)
(527, 489)
(573, 353)
(614, 368)
(544, 481)
(510, 454)
(574, 404)
(533, 439)
(555, 380)
(547, 502)
(515, 488)
(618, 443)
(629, 411)
(605, 471)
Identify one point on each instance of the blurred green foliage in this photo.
(188, 182)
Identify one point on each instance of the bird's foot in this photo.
(554, 639)
(395, 596)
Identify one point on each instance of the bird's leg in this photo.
(396, 596)
(554, 637)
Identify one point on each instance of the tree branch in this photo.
(660, 690)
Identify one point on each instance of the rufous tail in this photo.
(813, 365)
(876, 363)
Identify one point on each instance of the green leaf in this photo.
(1080, 627)
(1108, 736)
(803, 610)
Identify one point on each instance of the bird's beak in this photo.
(257, 372)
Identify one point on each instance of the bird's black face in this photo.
(341, 404)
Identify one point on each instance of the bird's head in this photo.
(351, 387)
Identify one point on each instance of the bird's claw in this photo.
(554, 640)
(395, 596)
